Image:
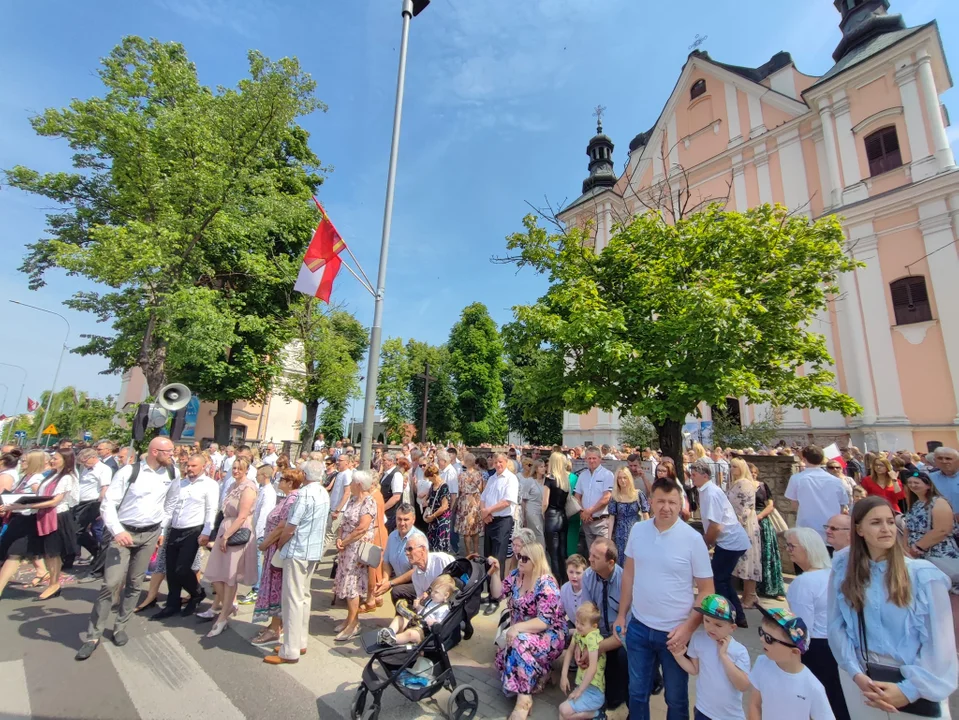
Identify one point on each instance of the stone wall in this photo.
(775, 471)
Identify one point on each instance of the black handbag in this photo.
(891, 674)
(240, 537)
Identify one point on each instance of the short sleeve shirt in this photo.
(820, 496)
(715, 508)
(789, 696)
(592, 485)
(422, 579)
(808, 598)
(589, 643)
(716, 697)
(501, 487)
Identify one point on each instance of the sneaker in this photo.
(386, 637)
(248, 599)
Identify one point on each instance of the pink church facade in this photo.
(867, 142)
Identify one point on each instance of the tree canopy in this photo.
(668, 316)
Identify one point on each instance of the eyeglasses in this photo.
(827, 528)
(790, 547)
(411, 550)
(522, 558)
(834, 467)
(767, 638)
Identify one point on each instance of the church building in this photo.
(867, 142)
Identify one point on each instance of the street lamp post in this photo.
(410, 9)
(4, 401)
(16, 408)
(56, 373)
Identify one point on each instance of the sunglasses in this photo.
(834, 528)
(834, 467)
(411, 550)
(522, 558)
(767, 638)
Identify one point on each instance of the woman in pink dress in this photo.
(230, 565)
(268, 601)
(352, 576)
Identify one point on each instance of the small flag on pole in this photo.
(322, 261)
(32, 404)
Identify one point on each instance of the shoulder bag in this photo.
(891, 674)
(367, 552)
(572, 505)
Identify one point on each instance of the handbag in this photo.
(891, 674)
(779, 525)
(500, 639)
(276, 561)
(572, 506)
(369, 554)
(240, 537)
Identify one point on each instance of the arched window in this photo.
(882, 150)
(910, 301)
(699, 88)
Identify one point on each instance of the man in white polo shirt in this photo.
(496, 507)
(664, 557)
(816, 494)
(594, 490)
(721, 529)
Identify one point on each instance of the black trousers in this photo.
(181, 546)
(617, 678)
(403, 592)
(821, 663)
(86, 514)
(556, 528)
(498, 535)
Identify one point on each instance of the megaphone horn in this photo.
(174, 397)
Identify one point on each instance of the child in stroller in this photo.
(428, 610)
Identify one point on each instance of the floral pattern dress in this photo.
(742, 496)
(468, 519)
(919, 522)
(271, 578)
(438, 530)
(772, 585)
(526, 663)
(626, 514)
(352, 576)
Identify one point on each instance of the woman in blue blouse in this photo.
(908, 619)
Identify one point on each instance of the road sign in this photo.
(51, 429)
(20, 434)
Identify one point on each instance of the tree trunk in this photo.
(309, 427)
(221, 422)
(671, 443)
(152, 359)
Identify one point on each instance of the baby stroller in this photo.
(420, 671)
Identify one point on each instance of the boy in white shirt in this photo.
(785, 689)
(719, 663)
(572, 591)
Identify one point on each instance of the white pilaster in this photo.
(739, 184)
(570, 420)
(821, 324)
(834, 198)
(825, 189)
(732, 115)
(756, 125)
(875, 313)
(930, 96)
(793, 418)
(939, 232)
(609, 222)
(855, 358)
(792, 166)
(602, 235)
(762, 174)
(672, 143)
(855, 190)
(923, 164)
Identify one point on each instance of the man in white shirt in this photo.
(594, 490)
(245, 451)
(265, 502)
(664, 558)
(185, 531)
(816, 494)
(226, 465)
(457, 465)
(95, 477)
(216, 457)
(134, 509)
(319, 443)
(340, 494)
(271, 456)
(719, 470)
(721, 528)
(496, 509)
(107, 451)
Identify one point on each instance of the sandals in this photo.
(266, 637)
(346, 638)
(38, 581)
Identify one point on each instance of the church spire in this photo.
(863, 20)
(600, 151)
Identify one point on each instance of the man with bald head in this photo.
(837, 533)
(140, 499)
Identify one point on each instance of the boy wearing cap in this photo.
(785, 689)
(719, 663)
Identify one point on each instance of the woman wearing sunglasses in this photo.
(890, 623)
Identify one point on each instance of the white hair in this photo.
(942, 450)
(314, 471)
(816, 553)
(363, 478)
(442, 455)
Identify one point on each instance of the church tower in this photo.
(600, 151)
(862, 20)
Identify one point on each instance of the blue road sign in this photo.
(20, 434)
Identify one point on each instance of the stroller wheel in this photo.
(463, 703)
(359, 703)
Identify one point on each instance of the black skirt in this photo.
(22, 541)
(67, 532)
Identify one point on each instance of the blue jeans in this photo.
(644, 646)
(724, 562)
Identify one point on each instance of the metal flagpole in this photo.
(373, 368)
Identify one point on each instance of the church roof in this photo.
(757, 75)
(869, 49)
(593, 192)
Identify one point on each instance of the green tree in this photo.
(331, 419)
(537, 416)
(329, 344)
(187, 203)
(669, 316)
(441, 415)
(476, 366)
(727, 432)
(638, 432)
(393, 395)
(73, 413)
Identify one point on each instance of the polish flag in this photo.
(32, 404)
(322, 261)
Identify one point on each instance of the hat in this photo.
(792, 624)
(718, 607)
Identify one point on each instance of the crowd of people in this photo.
(626, 571)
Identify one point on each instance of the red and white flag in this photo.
(2, 418)
(32, 404)
(322, 261)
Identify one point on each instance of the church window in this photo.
(910, 301)
(882, 150)
(699, 88)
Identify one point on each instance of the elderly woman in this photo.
(230, 565)
(895, 612)
(808, 597)
(352, 577)
(437, 512)
(536, 635)
(271, 578)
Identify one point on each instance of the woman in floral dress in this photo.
(468, 518)
(437, 511)
(352, 576)
(742, 496)
(271, 578)
(772, 585)
(536, 636)
(930, 521)
(628, 506)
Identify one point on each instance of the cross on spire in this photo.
(598, 114)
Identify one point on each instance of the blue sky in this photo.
(498, 112)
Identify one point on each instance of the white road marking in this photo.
(15, 703)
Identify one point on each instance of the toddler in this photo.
(432, 608)
(587, 699)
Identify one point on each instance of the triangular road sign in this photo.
(51, 430)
